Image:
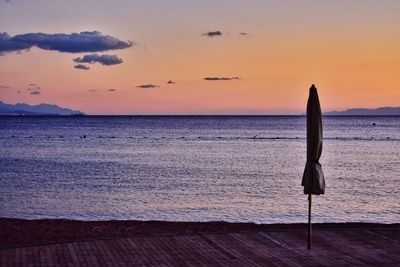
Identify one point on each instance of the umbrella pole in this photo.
(309, 222)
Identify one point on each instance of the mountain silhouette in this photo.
(41, 109)
(383, 111)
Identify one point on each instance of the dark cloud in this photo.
(243, 33)
(4, 87)
(92, 90)
(89, 41)
(221, 78)
(170, 82)
(35, 93)
(212, 34)
(102, 59)
(147, 86)
(32, 84)
(7, 44)
(33, 88)
(111, 90)
(82, 67)
(19, 91)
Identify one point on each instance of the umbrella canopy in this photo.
(313, 177)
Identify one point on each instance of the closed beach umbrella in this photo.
(313, 177)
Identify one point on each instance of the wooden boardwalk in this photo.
(331, 247)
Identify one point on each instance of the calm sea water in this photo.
(238, 169)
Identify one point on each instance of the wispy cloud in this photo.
(221, 78)
(147, 86)
(92, 90)
(82, 67)
(102, 59)
(111, 90)
(89, 41)
(33, 89)
(212, 34)
(170, 82)
(4, 86)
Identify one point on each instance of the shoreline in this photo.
(23, 232)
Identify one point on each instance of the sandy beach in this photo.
(18, 232)
(157, 243)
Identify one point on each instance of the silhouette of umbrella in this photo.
(313, 177)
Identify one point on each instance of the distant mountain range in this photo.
(41, 109)
(384, 111)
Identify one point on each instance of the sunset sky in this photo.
(260, 57)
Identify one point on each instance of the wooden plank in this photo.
(209, 255)
(167, 247)
(100, 253)
(137, 246)
(130, 255)
(73, 254)
(107, 253)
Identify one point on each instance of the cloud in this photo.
(111, 90)
(212, 34)
(88, 41)
(92, 90)
(102, 59)
(243, 33)
(33, 88)
(82, 67)
(4, 87)
(7, 44)
(19, 91)
(170, 82)
(147, 86)
(221, 78)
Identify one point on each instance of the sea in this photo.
(196, 168)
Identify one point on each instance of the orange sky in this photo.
(349, 50)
